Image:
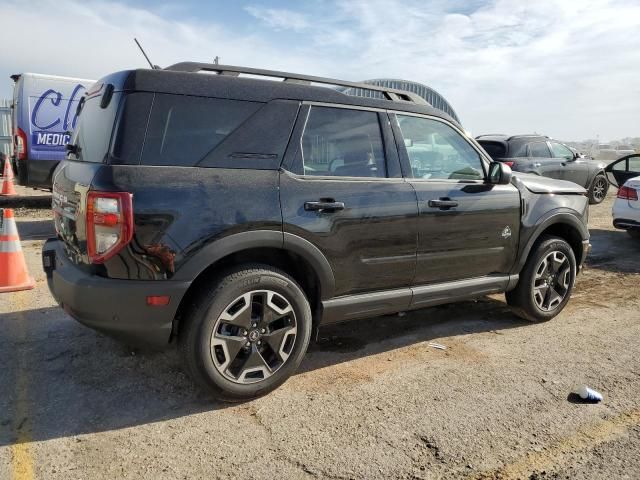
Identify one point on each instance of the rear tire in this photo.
(247, 333)
(546, 281)
(598, 189)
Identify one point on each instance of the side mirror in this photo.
(499, 173)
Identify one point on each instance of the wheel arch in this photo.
(563, 225)
(289, 253)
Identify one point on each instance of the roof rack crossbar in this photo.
(230, 70)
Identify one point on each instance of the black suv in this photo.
(541, 155)
(237, 215)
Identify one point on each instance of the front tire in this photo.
(598, 190)
(546, 281)
(247, 333)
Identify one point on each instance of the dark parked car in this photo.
(238, 215)
(541, 155)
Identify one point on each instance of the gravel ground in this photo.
(372, 399)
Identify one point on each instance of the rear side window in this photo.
(539, 150)
(184, 129)
(340, 142)
(494, 149)
(92, 135)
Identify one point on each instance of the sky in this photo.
(568, 69)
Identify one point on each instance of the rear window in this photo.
(494, 149)
(184, 129)
(92, 135)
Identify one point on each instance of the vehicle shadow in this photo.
(614, 251)
(60, 379)
(40, 229)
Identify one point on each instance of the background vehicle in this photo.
(44, 114)
(238, 215)
(625, 174)
(541, 155)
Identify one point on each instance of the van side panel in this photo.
(46, 113)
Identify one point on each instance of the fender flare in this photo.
(563, 216)
(234, 243)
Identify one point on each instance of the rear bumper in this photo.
(116, 307)
(626, 224)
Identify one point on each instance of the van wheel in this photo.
(546, 281)
(598, 190)
(247, 333)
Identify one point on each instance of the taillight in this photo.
(109, 224)
(628, 193)
(510, 164)
(21, 144)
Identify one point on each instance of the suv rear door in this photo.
(466, 227)
(342, 190)
(542, 160)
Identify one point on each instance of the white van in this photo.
(44, 114)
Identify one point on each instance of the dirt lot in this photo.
(372, 399)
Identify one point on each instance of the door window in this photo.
(560, 151)
(340, 142)
(437, 151)
(634, 164)
(539, 150)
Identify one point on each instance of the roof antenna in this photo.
(153, 67)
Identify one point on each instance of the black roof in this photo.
(193, 79)
(499, 137)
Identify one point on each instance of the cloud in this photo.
(565, 68)
(279, 18)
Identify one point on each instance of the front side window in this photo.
(339, 142)
(560, 151)
(437, 151)
(539, 150)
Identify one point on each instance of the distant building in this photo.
(429, 94)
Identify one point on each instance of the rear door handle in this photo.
(321, 206)
(442, 203)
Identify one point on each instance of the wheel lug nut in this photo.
(264, 330)
(255, 325)
(244, 333)
(259, 342)
(248, 344)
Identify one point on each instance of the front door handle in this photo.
(324, 205)
(443, 203)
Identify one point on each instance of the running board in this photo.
(373, 304)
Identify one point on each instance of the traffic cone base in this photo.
(7, 187)
(13, 268)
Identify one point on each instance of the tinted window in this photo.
(539, 150)
(494, 149)
(560, 151)
(437, 151)
(92, 135)
(183, 130)
(344, 143)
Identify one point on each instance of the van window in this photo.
(343, 143)
(184, 129)
(92, 135)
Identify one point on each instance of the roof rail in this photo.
(392, 94)
(527, 135)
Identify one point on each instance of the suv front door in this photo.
(466, 228)
(573, 169)
(341, 189)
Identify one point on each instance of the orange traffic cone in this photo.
(13, 268)
(7, 180)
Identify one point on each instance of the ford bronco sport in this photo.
(236, 215)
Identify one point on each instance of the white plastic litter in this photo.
(437, 345)
(589, 394)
